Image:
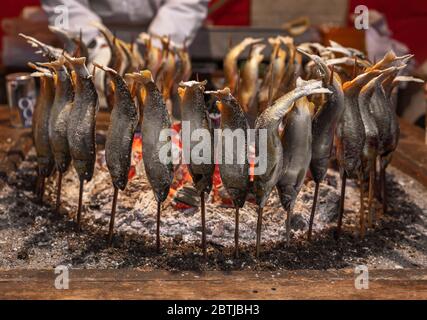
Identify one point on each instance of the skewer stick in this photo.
(112, 217)
(371, 210)
(236, 234)
(79, 210)
(313, 210)
(202, 202)
(158, 226)
(288, 225)
(58, 192)
(362, 209)
(258, 232)
(341, 208)
(41, 190)
(383, 188)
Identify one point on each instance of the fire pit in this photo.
(34, 236)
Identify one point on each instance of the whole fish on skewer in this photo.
(158, 169)
(40, 126)
(235, 173)
(272, 157)
(297, 149)
(152, 54)
(194, 113)
(293, 65)
(248, 88)
(371, 145)
(167, 72)
(64, 95)
(350, 139)
(51, 53)
(323, 127)
(387, 122)
(230, 62)
(72, 44)
(275, 73)
(81, 125)
(118, 146)
(117, 62)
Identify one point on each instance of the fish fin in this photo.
(408, 79)
(181, 92)
(105, 68)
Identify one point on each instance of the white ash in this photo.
(136, 210)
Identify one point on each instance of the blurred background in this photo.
(399, 25)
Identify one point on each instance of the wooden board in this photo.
(134, 284)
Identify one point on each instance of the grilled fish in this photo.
(40, 126)
(81, 125)
(230, 62)
(235, 173)
(64, 96)
(249, 84)
(297, 149)
(118, 146)
(275, 72)
(194, 114)
(156, 118)
(270, 120)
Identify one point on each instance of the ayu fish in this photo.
(64, 95)
(268, 122)
(234, 172)
(297, 149)
(40, 126)
(158, 168)
(81, 125)
(118, 145)
(195, 115)
(230, 62)
(323, 128)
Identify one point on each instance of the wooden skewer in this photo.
(112, 217)
(288, 225)
(371, 209)
(58, 192)
(313, 210)
(258, 232)
(41, 189)
(383, 187)
(202, 203)
(341, 208)
(158, 226)
(79, 210)
(236, 234)
(362, 209)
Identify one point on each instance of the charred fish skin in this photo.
(297, 149)
(155, 119)
(325, 120)
(372, 98)
(81, 123)
(235, 176)
(194, 112)
(350, 131)
(123, 122)
(43, 107)
(270, 120)
(64, 95)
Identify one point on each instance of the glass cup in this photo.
(21, 97)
